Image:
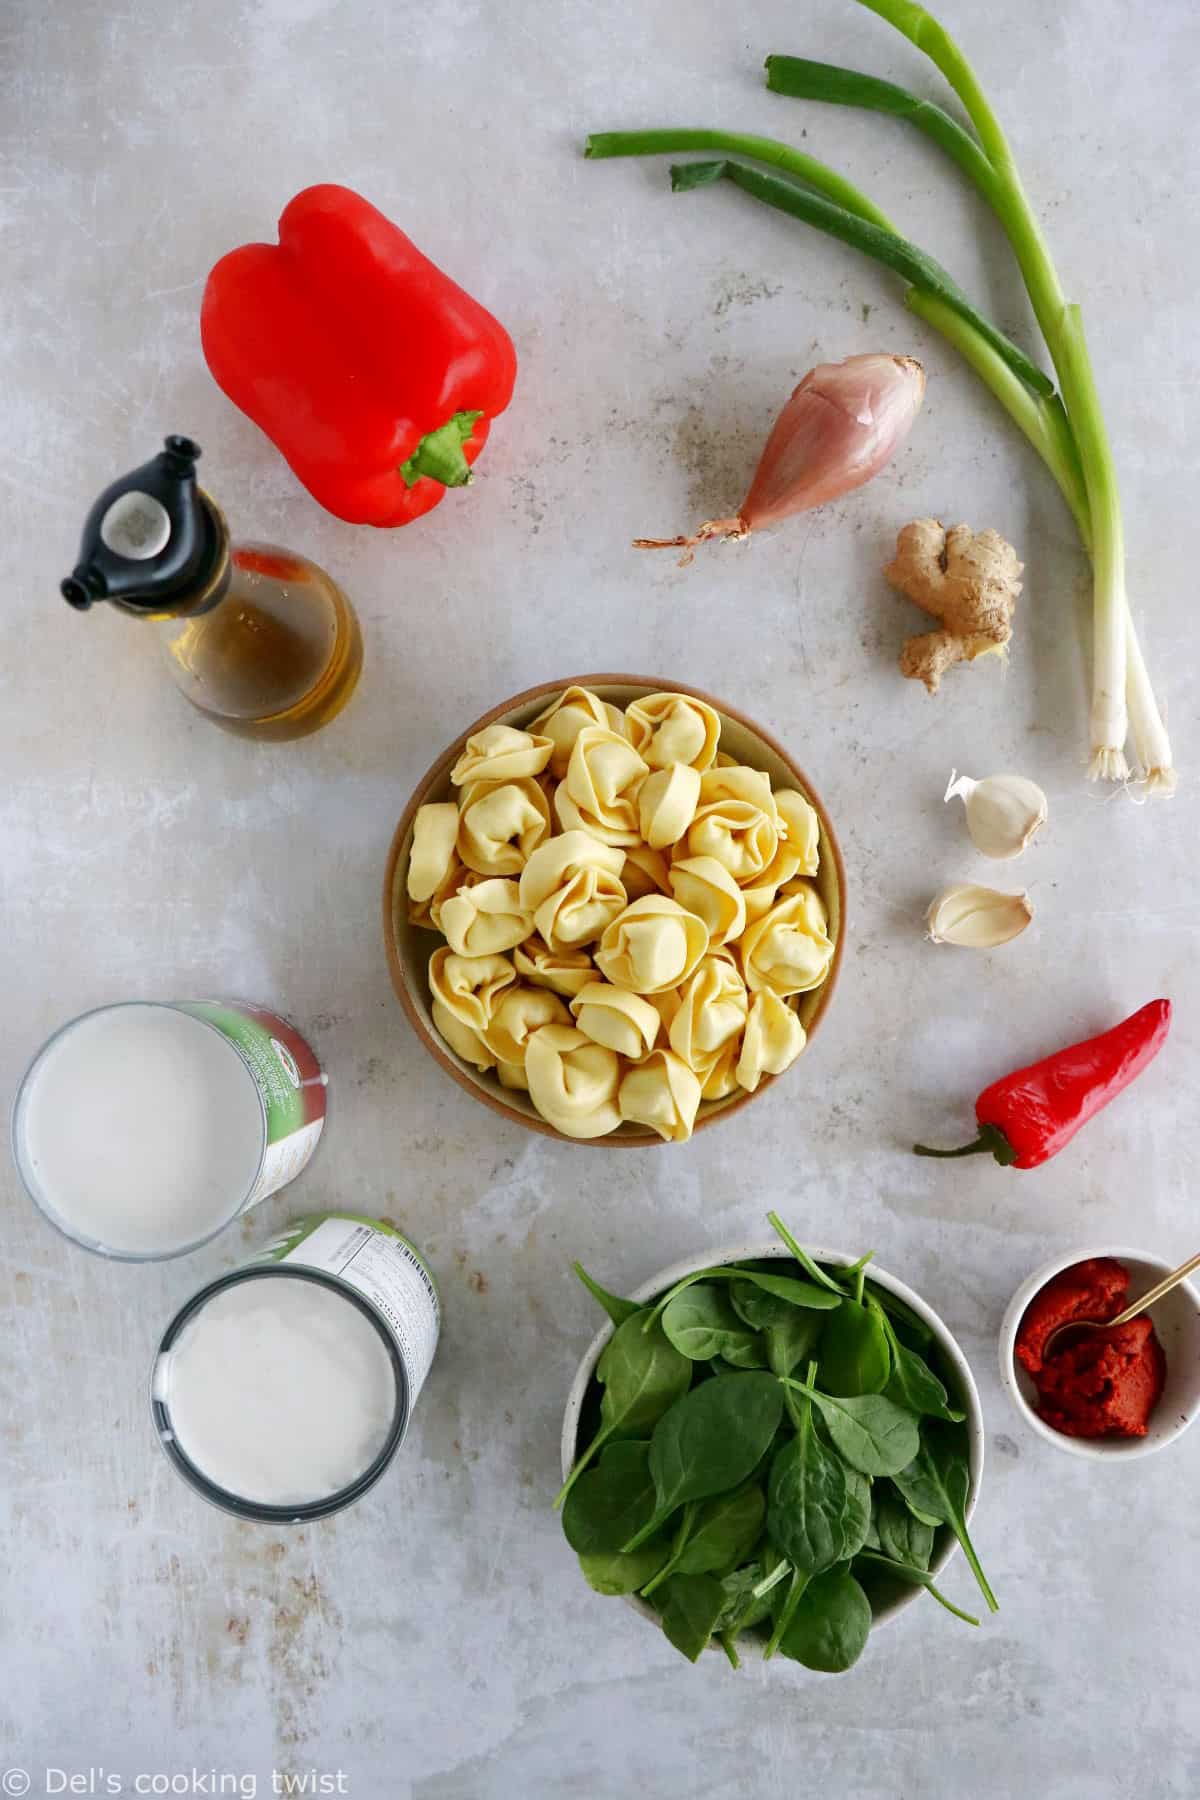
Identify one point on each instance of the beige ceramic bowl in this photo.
(409, 947)
(955, 1361)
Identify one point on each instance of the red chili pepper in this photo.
(1028, 1117)
(374, 374)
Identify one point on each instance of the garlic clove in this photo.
(977, 918)
(1004, 812)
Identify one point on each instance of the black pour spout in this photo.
(150, 538)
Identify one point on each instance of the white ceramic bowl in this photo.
(749, 1644)
(1177, 1322)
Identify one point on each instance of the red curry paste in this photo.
(1108, 1384)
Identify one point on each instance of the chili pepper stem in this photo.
(990, 1138)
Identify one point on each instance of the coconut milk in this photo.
(142, 1129)
(282, 1391)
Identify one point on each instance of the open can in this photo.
(282, 1391)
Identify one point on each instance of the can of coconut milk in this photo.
(142, 1129)
(282, 1391)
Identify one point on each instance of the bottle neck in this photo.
(208, 591)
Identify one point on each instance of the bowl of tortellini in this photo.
(614, 910)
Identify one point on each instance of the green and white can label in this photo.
(290, 1084)
(380, 1264)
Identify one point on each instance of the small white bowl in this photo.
(1176, 1320)
(748, 1643)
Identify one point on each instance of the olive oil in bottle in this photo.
(260, 640)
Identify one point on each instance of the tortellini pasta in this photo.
(519, 1012)
(498, 753)
(736, 822)
(571, 887)
(624, 1022)
(564, 720)
(666, 729)
(573, 1081)
(788, 950)
(712, 1013)
(705, 887)
(600, 791)
(654, 944)
(773, 1039)
(646, 871)
(563, 971)
(484, 918)
(661, 1092)
(627, 910)
(667, 804)
(501, 825)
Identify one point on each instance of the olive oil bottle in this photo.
(260, 640)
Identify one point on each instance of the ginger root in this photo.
(967, 580)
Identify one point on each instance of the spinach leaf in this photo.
(915, 1327)
(900, 1534)
(694, 1604)
(872, 1433)
(806, 1500)
(912, 1383)
(902, 1571)
(612, 1572)
(702, 1324)
(743, 1607)
(714, 1536)
(784, 1615)
(749, 1355)
(642, 1374)
(829, 1627)
(617, 1309)
(858, 1511)
(936, 1484)
(806, 1262)
(710, 1440)
(725, 1530)
(792, 1342)
(786, 1287)
(855, 1358)
(611, 1502)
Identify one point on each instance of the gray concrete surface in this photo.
(436, 1642)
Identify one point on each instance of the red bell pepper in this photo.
(1028, 1117)
(375, 375)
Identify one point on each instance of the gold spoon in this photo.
(1063, 1336)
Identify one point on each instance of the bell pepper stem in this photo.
(990, 1138)
(439, 455)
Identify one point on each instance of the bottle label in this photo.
(380, 1264)
(289, 1081)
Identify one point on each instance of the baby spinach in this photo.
(855, 1358)
(614, 1572)
(617, 1309)
(902, 1571)
(872, 1433)
(611, 1502)
(701, 1324)
(784, 1287)
(642, 1375)
(715, 1535)
(829, 1626)
(734, 1495)
(710, 1440)
(900, 1534)
(806, 1262)
(693, 1606)
(809, 1515)
(912, 1383)
(936, 1484)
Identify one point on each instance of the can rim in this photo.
(224, 1498)
(93, 1245)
